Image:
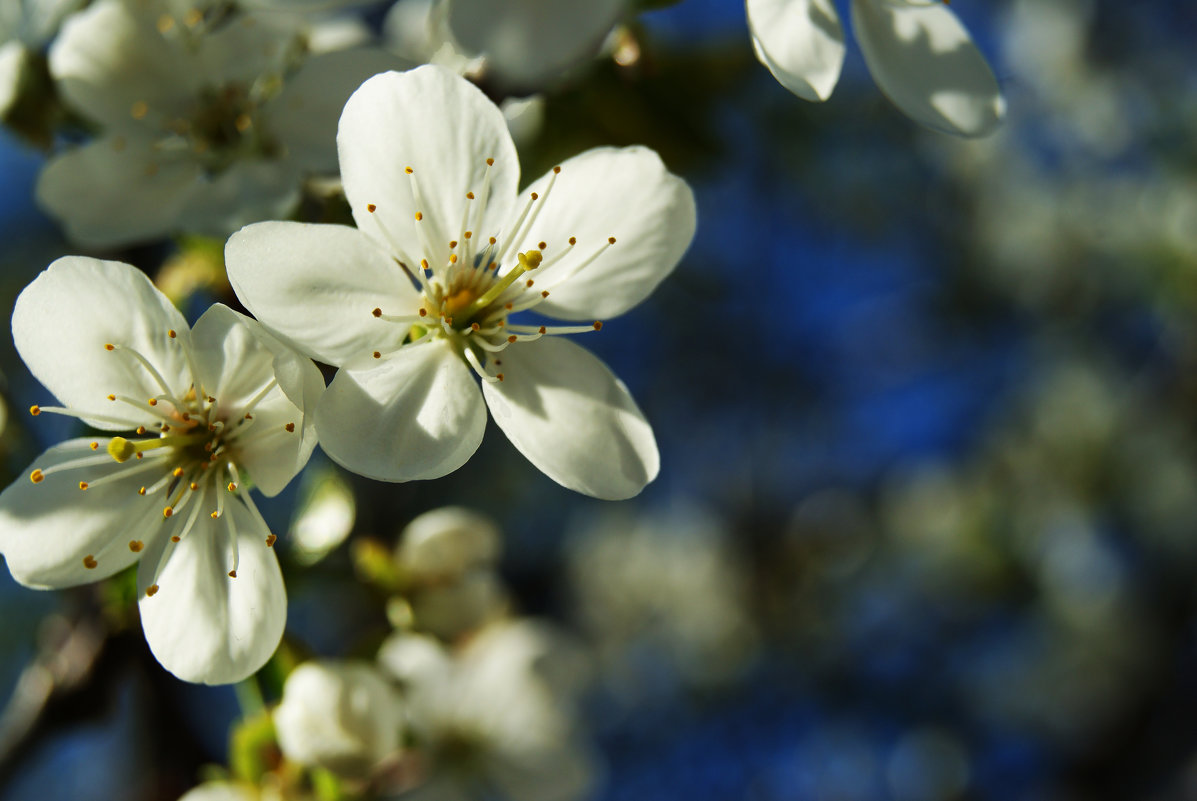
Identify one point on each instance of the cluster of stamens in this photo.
(469, 298)
(188, 453)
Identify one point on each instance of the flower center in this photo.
(187, 451)
(468, 299)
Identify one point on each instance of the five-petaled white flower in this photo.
(211, 118)
(428, 291)
(212, 408)
(919, 53)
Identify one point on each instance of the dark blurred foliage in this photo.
(931, 403)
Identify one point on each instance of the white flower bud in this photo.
(342, 716)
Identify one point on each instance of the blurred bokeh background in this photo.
(926, 524)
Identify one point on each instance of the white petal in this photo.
(48, 529)
(65, 317)
(926, 63)
(201, 624)
(317, 287)
(607, 192)
(109, 57)
(800, 41)
(12, 67)
(342, 716)
(564, 410)
(115, 191)
(445, 129)
(529, 42)
(246, 192)
(252, 46)
(236, 360)
(304, 115)
(415, 414)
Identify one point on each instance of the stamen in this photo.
(149, 368)
(72, 464)
(556, 330)
(517, 235)
(249, 407)
(175, 538)
(478, 368)
(78, 414)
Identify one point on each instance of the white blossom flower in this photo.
(209, 121)
(427, 291)
(520, 44)
(342, 716)
(919, 53)
(448, 557)
(493, 718)
(25, 27)
(213, 408)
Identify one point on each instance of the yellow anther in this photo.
(270, 540)
(83, 485)
(232, 487)
(170, 332)
(177, 472)
(109, 346)
(95, 446)
(90, 562)
(289, 427)
(136, 545)
(151, 590)
(168, 511)
(232, 574)
(370, 207)
(37, 476)
(35, 410)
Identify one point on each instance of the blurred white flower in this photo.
(209, 120)
(418, 32)
(448, 556)
(670, 586)
(25, 27)
(492, 718)
(518, 44)
(919, 53)
(342, 716)
(424, 295)
(213, 407)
